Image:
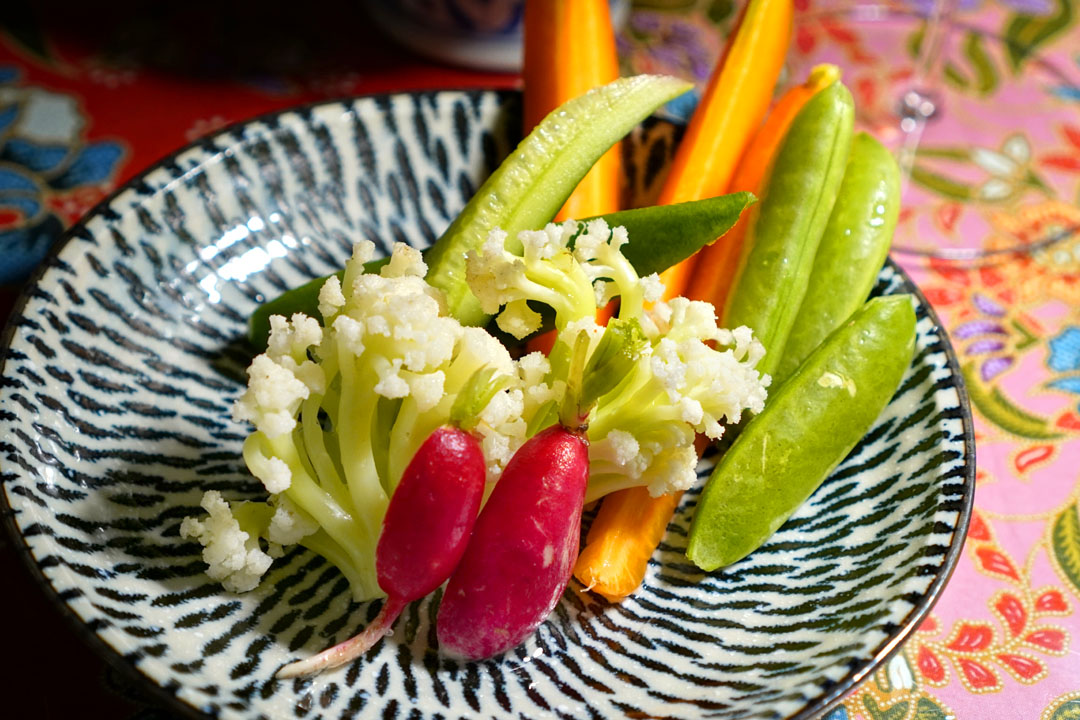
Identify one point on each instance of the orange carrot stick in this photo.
(714, 271)
(631, 523)
(732, 107)
(569, 50)
(622, 538)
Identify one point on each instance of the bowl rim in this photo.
(820, 706)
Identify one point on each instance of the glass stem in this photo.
(921, 101)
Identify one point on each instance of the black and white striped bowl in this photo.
(123, 359)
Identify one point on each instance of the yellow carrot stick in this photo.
(714, 271)
(732, 107)
(631, 523)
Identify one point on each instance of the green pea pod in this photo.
(654, 246)
(852, 249)
(808, 426)
(786, 226)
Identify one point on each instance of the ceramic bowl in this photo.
(124, 356)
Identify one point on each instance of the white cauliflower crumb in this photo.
(232, 556)
(289, 525)
(405, 261)
(273, 396)
(273, 472)
(331, 298)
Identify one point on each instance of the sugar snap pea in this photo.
(852, 249)
(808, 426)
(785, 227)
(660, 237)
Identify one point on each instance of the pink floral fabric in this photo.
(1003, 641)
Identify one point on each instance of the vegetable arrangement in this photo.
(385, 414)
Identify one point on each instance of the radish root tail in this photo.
(347, 651)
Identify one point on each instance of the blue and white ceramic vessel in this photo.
(123, 360)
(482, 34)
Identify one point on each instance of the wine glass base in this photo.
(989, 145)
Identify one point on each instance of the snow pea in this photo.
(786, 226)
(808, 426)
(660, 236)
(852, 249)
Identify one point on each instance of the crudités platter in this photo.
(126, 354)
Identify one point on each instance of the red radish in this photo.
(522, 550)
(424, 534)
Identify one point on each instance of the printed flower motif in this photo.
(893, 694)
(1032, 7)
(985, 332)
(1068, 160)
(975, 649)
(1005, 174)
(43, 159)
(992, 313)
(1008, 168)
(1064, 358)
(684, 44)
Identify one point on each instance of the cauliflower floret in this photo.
(501, 429)
(274, 472)
(518, 319)
(233, 556)
(686, 379)
(273, 396)
(386, 335)
(331, 298)
(547, 272)
(533, 370)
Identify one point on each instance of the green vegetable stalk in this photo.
(530, 186)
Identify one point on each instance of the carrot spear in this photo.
(732, 107)
(631, 523)
(569, 50)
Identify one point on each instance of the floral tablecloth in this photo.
(88, 98)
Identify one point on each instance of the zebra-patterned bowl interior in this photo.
(123, 361)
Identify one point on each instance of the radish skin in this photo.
(425, 531)
(522, 550)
